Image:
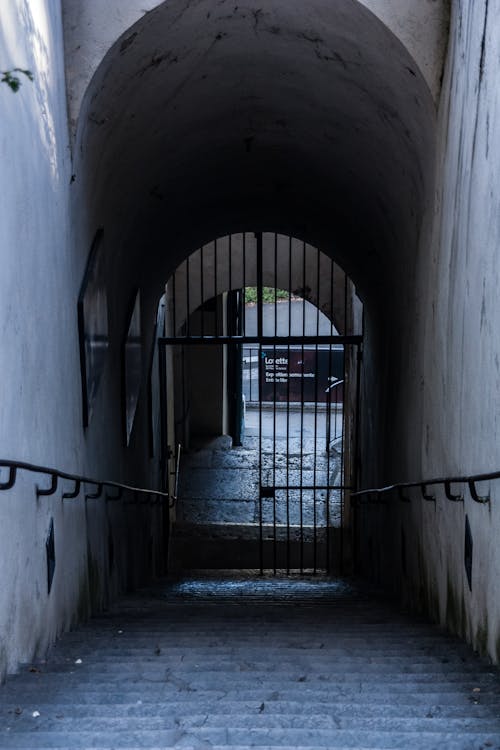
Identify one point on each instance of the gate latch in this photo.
(267, 492)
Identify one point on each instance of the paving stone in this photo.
(218, 483)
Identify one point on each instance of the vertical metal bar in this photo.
(346, 282)
(274, 396)
(254, 353)
(188, 305)
(249, 372)
(335, 421)
(168, 529)
(215, 268)
(357, 416)
(251, 375)
(288, 408)
(259, 333)
(239, 364)
(344, 416)
(255, 376)
(329, 417)
(261, 538)
(275, 284)
(174, 323)
(315, 536)
(244, 281)
(328, 466)
(289, 286)
(230, 267)
(260, 311)
(217, 323)
(355, 478)
(202, 291)
(274, 463)
(334, 391)
(256, 379)
(183, 396)
(163, 429)
(332, 295)
(164, 453)
(342, 459)
(302, 410)
(328, 403)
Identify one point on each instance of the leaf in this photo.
(13, 81)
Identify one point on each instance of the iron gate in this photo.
(275, 318)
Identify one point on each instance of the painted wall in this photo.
(40, 397)
(39, 362)
(444, 413)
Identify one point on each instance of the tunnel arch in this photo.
(91, 29)
(324, 131)
(230, 263)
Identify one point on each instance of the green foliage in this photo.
(269, 294)
(12, 80)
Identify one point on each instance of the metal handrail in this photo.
(99, 484)
(445, 481)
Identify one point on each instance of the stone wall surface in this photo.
(444, 410)
(39, 350)
(40, 400)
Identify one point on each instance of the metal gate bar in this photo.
(288, 550)
(316, 359)
(281, 341)
(260, 319)
(308, 279)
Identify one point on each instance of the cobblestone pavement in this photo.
(220, 484)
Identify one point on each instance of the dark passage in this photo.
(260, 358)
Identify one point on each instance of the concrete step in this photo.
(155, 657)
(275, 676)
(142, 709)
(96, 665)
(155, 652)
(166, 670)
(177, 689)
(262, 720)
(229, 737)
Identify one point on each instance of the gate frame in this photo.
(237, 340)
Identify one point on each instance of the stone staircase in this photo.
(237, 662)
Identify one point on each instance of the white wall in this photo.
(40, 394)
(445, 381)
(39, 362)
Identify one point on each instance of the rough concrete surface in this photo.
(228, 661)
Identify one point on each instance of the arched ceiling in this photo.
(91, 28)
(307, 118)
